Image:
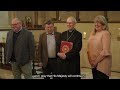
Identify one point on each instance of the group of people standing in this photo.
(20, 50)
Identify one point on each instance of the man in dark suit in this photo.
(69, 62)
(20, 50)
(47, 49)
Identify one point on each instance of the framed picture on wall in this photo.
(63, 15)
(28, 21)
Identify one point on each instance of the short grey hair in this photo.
(17, 20)
(72, 18)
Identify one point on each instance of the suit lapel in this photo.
(20, 36)
(56, 36)
(45, 43)
(11, 39)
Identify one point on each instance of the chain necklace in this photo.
(70, 35)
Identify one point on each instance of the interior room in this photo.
(84, 24)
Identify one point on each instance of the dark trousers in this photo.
(51, 68)
(70, 69)
(99, 75)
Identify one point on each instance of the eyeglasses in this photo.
(14, 24)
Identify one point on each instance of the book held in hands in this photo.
(65, 46)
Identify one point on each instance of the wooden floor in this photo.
(85, 74)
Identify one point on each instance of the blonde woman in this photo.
(99, 54)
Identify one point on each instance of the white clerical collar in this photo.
(70, 30)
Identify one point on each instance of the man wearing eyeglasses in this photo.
(20, 50)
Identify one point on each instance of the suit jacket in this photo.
(71, 65)
(24, 47)
(43, 51)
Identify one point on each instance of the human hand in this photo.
(62, 55)
(93, 63)
(40, 64)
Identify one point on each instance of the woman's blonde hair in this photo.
(101, 19)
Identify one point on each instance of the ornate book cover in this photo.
(65, 46)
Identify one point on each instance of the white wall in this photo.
(4, 19)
